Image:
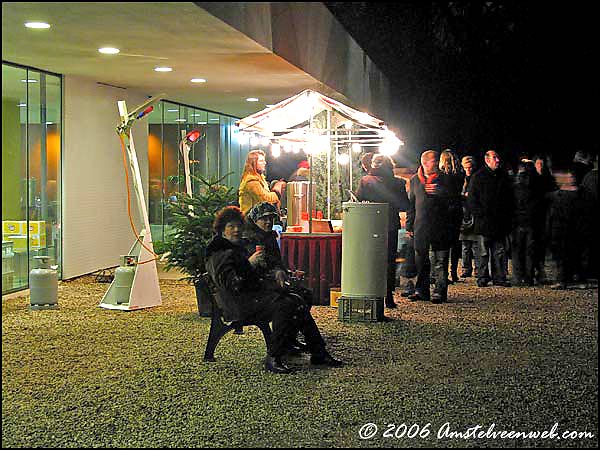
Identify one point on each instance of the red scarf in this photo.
(422, 178)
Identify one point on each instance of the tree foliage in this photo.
(192, 219)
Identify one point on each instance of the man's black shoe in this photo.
(325, 359)
(275, 365)
(482, 283)
(502, 283)
(417, 296)
(296, 348)
(466, 275)
(438, 298)
(409, 289)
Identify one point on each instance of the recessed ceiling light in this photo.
(201, 123)
(163, 69)
(22, 105)
(252, 99)
(37, 25)
(213, 119)
(172, 110)
(196, 115)
(269, 106)
(28, 81)
(49, 123)
(179, 120)
(198, 80)
(109, 50)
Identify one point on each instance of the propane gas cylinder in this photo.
(43, 284)
(124, 278)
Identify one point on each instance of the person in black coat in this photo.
(427, 222)
(589, 193)
(527, 197)
(546, 184)
(567, 209)
(242, 294)
(258, 233)
(491, 204)
(381, 186)
(450, 166)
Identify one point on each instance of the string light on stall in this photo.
(343, 158)
(275, 150)
(265, 142)
(254, 141)
(356, 147)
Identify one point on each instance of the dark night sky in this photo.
(473, 76)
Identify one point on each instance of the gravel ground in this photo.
(502, 359)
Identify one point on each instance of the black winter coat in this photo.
(253, 236)
(381, 187)
(565, 224)
(491, 203)
(428, 216)
(528, 197)
(241, 293)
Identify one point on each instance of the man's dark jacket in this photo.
(491, 203)
(428, 216)
(382, 187)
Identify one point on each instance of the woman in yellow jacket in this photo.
(254, 188)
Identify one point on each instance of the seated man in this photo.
(243, 296)
(258, 233)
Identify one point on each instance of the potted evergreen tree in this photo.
(192, 220)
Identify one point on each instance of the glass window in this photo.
(215, 153)
(31, 172)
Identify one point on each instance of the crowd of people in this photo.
(492, 215)
(483, 216)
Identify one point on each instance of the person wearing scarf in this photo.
(427, 222)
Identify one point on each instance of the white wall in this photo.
(95, 226)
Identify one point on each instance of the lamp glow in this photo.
(163, 69)
(343, 159)
(251, 99)
(109, 50)
(198, 80)
(254, 141)
(265, 142)
(275, 150)
(37, 25)
(356, 147)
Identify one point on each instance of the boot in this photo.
(325, 359)
(409, 289)
(275, 365)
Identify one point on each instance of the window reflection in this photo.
(214, 154)
(31, 177)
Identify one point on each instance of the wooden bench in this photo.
(219, 328)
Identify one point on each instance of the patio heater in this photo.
(136, 280)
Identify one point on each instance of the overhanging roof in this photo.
(181, 35)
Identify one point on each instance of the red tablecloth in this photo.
(319, 256)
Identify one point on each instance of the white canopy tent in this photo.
(292, 121)
(328, 132)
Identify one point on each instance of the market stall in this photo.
(334, 137)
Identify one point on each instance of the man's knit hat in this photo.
(262, 210)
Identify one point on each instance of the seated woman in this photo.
(243, 295)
